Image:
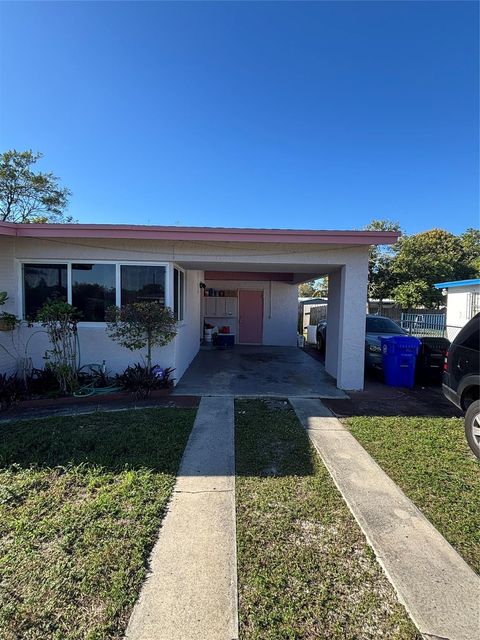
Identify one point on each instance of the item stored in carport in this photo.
(223, 340)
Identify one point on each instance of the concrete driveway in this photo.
(257, 371)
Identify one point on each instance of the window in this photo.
(42, 282)
(93, 287)
(93, 290)
(142, 284)
(178, 293)
(382, 325)
(469, 337)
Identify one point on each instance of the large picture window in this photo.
(93, 290)
(94, 286)
(142, 284)
(42, 282)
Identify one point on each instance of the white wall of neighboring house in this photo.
(459, 308)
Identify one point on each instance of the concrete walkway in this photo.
(191, 593)
(439, 590)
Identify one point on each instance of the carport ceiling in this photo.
(300, 272)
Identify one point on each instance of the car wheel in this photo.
(472, 427)
(319, 343)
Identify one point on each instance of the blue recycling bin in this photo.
(399, 355)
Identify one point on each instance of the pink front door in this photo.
(250, 316)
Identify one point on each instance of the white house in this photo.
(255, 273)
(463, 302)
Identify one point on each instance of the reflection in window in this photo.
(142, 284)
(93, 290)
(42, 282)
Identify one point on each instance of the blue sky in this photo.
(301, 115)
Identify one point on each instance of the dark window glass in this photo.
(42, 282)
(93, 290)
(182, 295)
(178, 293)
(383, 325)
(175, 293)
(142, 284)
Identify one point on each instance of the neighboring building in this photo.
(256, 273)
(305, 306)
(463, 302)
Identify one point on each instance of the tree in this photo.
(422, 260)
(59, 320)
(471, 245)
(381, 280)
(28, 196)
(141, 325)
(412, 294)
(313, 289)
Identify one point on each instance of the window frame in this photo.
(181, 292)
(118, 263)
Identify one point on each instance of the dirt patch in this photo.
(277, 404)
(73, 406)
(379, 400)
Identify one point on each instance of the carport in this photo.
(273, 262)
(257, 371)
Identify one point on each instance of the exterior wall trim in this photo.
(206, 234)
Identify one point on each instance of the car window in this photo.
(382, 325)
(469, 336)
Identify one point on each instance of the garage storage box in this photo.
(223, 340)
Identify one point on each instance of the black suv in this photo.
(461, 379)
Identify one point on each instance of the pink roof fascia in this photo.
(205, 234)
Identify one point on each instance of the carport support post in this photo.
(345, 347)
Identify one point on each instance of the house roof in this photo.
(456, 283)
(146, 232)
(312, 301)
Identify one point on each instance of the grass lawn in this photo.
(305, 570)
(81, 500)
(430, 460)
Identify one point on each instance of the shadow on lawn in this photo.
(150, 439)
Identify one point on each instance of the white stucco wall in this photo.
(187, 341)
(345, 346)
(458, 308)
(280, 309)
(7, 283)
